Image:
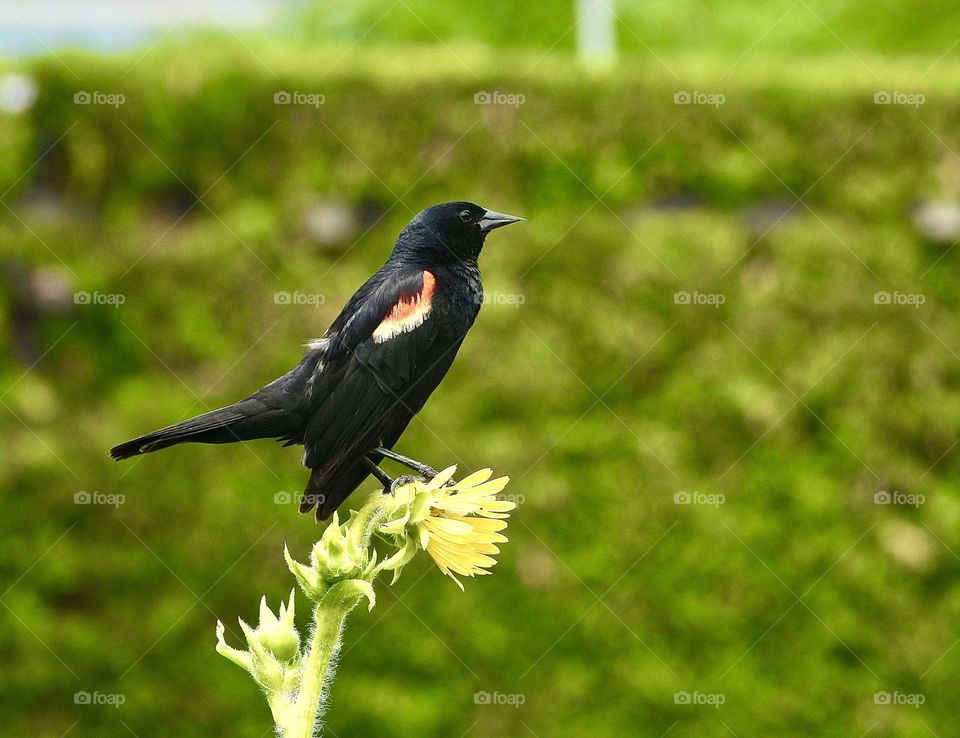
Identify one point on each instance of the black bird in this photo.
(353, 394)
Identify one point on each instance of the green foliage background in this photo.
(797, 399)
(729, 27)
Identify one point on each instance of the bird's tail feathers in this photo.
(225, 425)
(327, 488)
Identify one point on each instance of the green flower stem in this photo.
(303, 717)
(371, 514)
(280, 707)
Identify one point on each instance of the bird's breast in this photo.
(458, 298)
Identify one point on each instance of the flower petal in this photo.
(472, 480)
(441, 479)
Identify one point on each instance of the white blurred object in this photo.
(18, 92)
(29, 27)
(327, 223)
(136, 13)
(596, 32)
(938, 220)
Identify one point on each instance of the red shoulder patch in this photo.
(408, 312)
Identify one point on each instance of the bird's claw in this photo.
(400, 481)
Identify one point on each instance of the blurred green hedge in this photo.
(797, 399)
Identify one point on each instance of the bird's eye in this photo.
(466, 216)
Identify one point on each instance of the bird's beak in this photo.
(492, 219)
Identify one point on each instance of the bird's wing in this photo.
(396, 303)
(373, 358)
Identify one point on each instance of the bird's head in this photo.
(452, 231)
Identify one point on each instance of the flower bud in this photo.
(273, 648)
(337, 555)
(278, 634)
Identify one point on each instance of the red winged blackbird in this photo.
(359, 385)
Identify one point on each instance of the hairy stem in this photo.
(302, 718)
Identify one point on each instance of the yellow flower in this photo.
(459, 523)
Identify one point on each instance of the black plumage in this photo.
(361, 383)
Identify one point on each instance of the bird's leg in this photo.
(422, 469)
(389, 484)
(379, 473)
